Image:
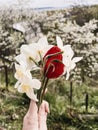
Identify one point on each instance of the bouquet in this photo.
(51, 61)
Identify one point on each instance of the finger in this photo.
(47, 107)
(33, 108)
(2, 128)
(32, 111)
(42, 115)
(30, 121)
(44, 107)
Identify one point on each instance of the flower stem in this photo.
(44, 88)
(33, 61)
(42, 91)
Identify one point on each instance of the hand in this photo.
(1, 128)
(34, 119)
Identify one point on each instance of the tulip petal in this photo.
(53, 63)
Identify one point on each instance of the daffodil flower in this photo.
(31, 54)
(28, 87)
(21, 72)
(26, 61)
(26, 84)
(68, 59)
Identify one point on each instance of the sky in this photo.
(45, 3)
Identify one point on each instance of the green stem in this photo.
(44, 88)
(33, 61)
(42, 91)
(41, 58)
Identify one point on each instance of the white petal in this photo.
(64, 71)
(17, 84)
(29, 50)
(66, 61)
(59, 42)
(36, 84)
(16, 76)
(69, 68)
(16, 66)
(31, 95)
(43, 41)
(67, 74)
(68, 52)
(17, 58)
(21, 59)
(76, 59)
(72, 66)
(25, 49)
(20, 89)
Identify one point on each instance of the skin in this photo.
(1, 128)
(34, 119)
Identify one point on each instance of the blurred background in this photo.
(73, 103)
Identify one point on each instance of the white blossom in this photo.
(68, 59)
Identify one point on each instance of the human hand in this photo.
(34, 119)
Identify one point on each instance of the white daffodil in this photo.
(68, 59)
(36, 50)
(43, 46)
(40, 48)
(31, 54)
(25, 83)
(22, 72)
(27, 86)
(25, 61)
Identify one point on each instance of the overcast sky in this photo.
(46, 3)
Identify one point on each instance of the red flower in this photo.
(53, 63)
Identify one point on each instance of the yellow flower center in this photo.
(19, 73)
(25, 88)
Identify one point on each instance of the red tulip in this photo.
(53, 67)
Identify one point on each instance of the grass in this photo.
(12, 109)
